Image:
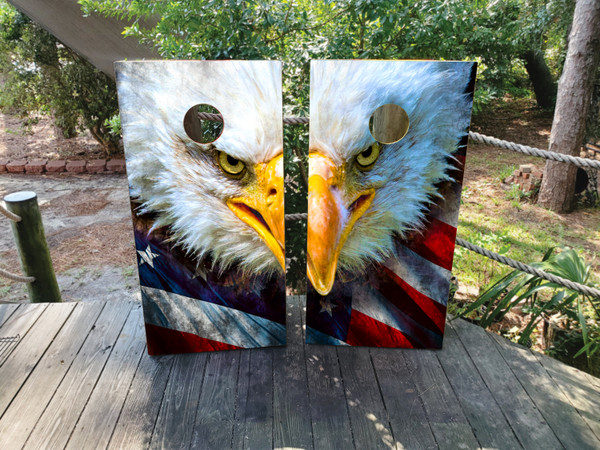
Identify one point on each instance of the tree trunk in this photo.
(541, 78)
(572, 103)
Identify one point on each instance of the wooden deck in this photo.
(79, 377)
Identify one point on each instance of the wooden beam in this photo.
(95, 38)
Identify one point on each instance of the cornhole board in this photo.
(208, 216)
(382, 215)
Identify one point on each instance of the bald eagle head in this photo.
(221, 201)
(363, 194)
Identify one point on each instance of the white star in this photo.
(147, 256)
(199, 273)
(326, 306)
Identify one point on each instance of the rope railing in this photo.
(532, 151)
(14, 277)
(582, 288)
(9, 215)
(3, 273)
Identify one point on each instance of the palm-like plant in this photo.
(521, 288)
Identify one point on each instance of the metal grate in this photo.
(6, 346)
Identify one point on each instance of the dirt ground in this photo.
(43, 140)
(89, 232)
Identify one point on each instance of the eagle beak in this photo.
(263, 207)
(330, 221)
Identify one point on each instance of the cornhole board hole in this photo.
(204, 153)
(387, 150)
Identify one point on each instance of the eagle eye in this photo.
(366, 159)
(232, 167)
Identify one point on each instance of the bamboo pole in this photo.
(32, 247)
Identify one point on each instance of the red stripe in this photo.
(421, 304)
(368, 332)
(435, 243)
(162, 341)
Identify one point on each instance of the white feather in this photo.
(172, 176)
(344, 95)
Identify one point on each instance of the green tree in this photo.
(42, 75)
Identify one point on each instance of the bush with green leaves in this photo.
(540, 299)
(40, 75)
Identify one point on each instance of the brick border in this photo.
(59, 166)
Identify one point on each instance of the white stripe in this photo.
(421, 274)
(209, 320)
(446, 208)
(316, 337)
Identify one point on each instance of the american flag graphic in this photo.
(402, 302)
(190, 308)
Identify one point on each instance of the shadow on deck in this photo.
(79, 377)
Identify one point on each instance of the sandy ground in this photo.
(89, 232)
(43, 140)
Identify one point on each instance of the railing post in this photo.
(32, 247)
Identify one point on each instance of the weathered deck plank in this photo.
(62, 413)
(482, 411)
(215, 413)
(292, 421)
(23, 414)
(576, 387)
(444, 412)
(100, 415)
(402, 403)
(18, 324)
(329, 415)
(561, 416)
(479, 391)
(253, 427)
(175, 422)
(6, 310)
(524, 417)
(19, 365)
(136, 423)
(368, 416)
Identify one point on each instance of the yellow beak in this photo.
(330, 221)
(263, 207)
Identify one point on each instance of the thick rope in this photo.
(6, 213)
(286, 120)
(476, 137)
(13, 277)
(504, 260)
(296, 216)
(210, 116)
(560, 157)
(530, 270)
(295, 120)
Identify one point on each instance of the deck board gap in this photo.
(529, 394)
(9, 309)
(112, 347)
(480, 375)
(421, 402)
(162, 399)
(385, 408)
(66, 371)
(345, 398)
(112, 433)
(24, 381)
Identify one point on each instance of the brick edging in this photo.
(38, 166)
